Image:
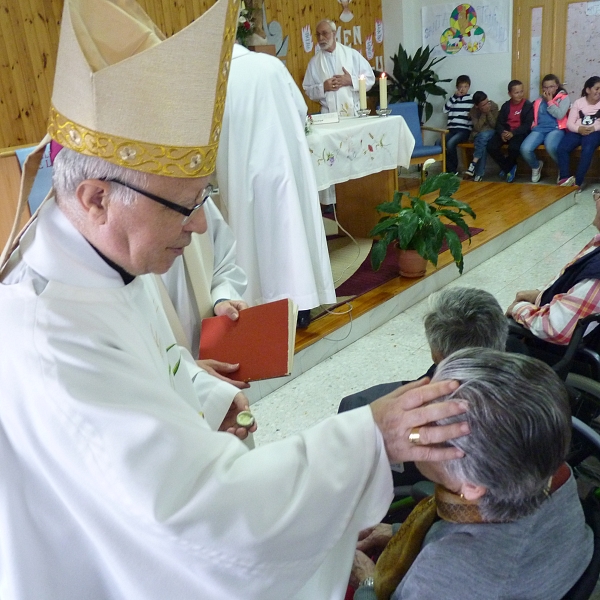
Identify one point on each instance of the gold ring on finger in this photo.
(414, 437)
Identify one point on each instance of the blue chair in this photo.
(409, 111)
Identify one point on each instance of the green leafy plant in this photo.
(414, 79)
(419, 226)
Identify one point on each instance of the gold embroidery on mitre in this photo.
(171, 161)
(229, 34)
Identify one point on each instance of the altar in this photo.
(360, 156)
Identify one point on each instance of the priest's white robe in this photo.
(324, 65)
(268, 186)
(114, 486)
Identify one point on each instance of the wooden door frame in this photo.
(554, 30)
(521, 46)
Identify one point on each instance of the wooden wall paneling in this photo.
(26, 85)
(547, 63)
(56, 8)
(196, 6)
(182, 18)
(28, 43)
(8, 103)
(190, 14)
(167, 18)
(36, 38)
(15, 73)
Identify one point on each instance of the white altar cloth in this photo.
(356, 147)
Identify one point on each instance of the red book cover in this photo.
(261, 340)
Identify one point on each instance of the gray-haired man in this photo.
(458, 318)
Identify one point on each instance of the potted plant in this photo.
(414, 79)
(419, 227)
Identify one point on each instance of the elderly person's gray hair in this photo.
(71, 168)
(330, 23)
(462, 317)
(520, 428)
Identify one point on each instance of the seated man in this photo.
(552, 314)
(505, 521)
(458, 318)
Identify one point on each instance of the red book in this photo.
(261, 340)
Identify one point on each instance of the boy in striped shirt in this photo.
(459, 122)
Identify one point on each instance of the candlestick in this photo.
(362, 92)
(383, 91)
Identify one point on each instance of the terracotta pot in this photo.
(411, 263)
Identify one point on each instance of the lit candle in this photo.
(362, 91)
(383, 91)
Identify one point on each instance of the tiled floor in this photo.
(398, 349)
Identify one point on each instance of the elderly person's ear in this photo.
(93, 198)
(472, 492)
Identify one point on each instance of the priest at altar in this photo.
(332, 80)
(332, 75)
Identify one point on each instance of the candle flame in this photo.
(383, 76)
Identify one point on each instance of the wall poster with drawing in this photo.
(477, 28)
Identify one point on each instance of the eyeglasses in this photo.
(188, 213)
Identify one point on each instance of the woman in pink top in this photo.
(583, 129)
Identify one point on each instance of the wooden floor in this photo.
(498, 206)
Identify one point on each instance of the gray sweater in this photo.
(538, 557)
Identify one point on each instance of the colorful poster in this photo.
(469, 28)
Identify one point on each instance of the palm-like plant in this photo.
(414, 79)
(419, 226)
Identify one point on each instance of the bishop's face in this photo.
(147, 237)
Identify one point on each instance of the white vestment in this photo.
(268, 186)
(114, 486)
(324, 65)
(205, 274)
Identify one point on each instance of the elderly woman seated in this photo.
(505, 521)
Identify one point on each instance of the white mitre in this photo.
(124, 93)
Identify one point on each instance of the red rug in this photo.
(365, 279)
